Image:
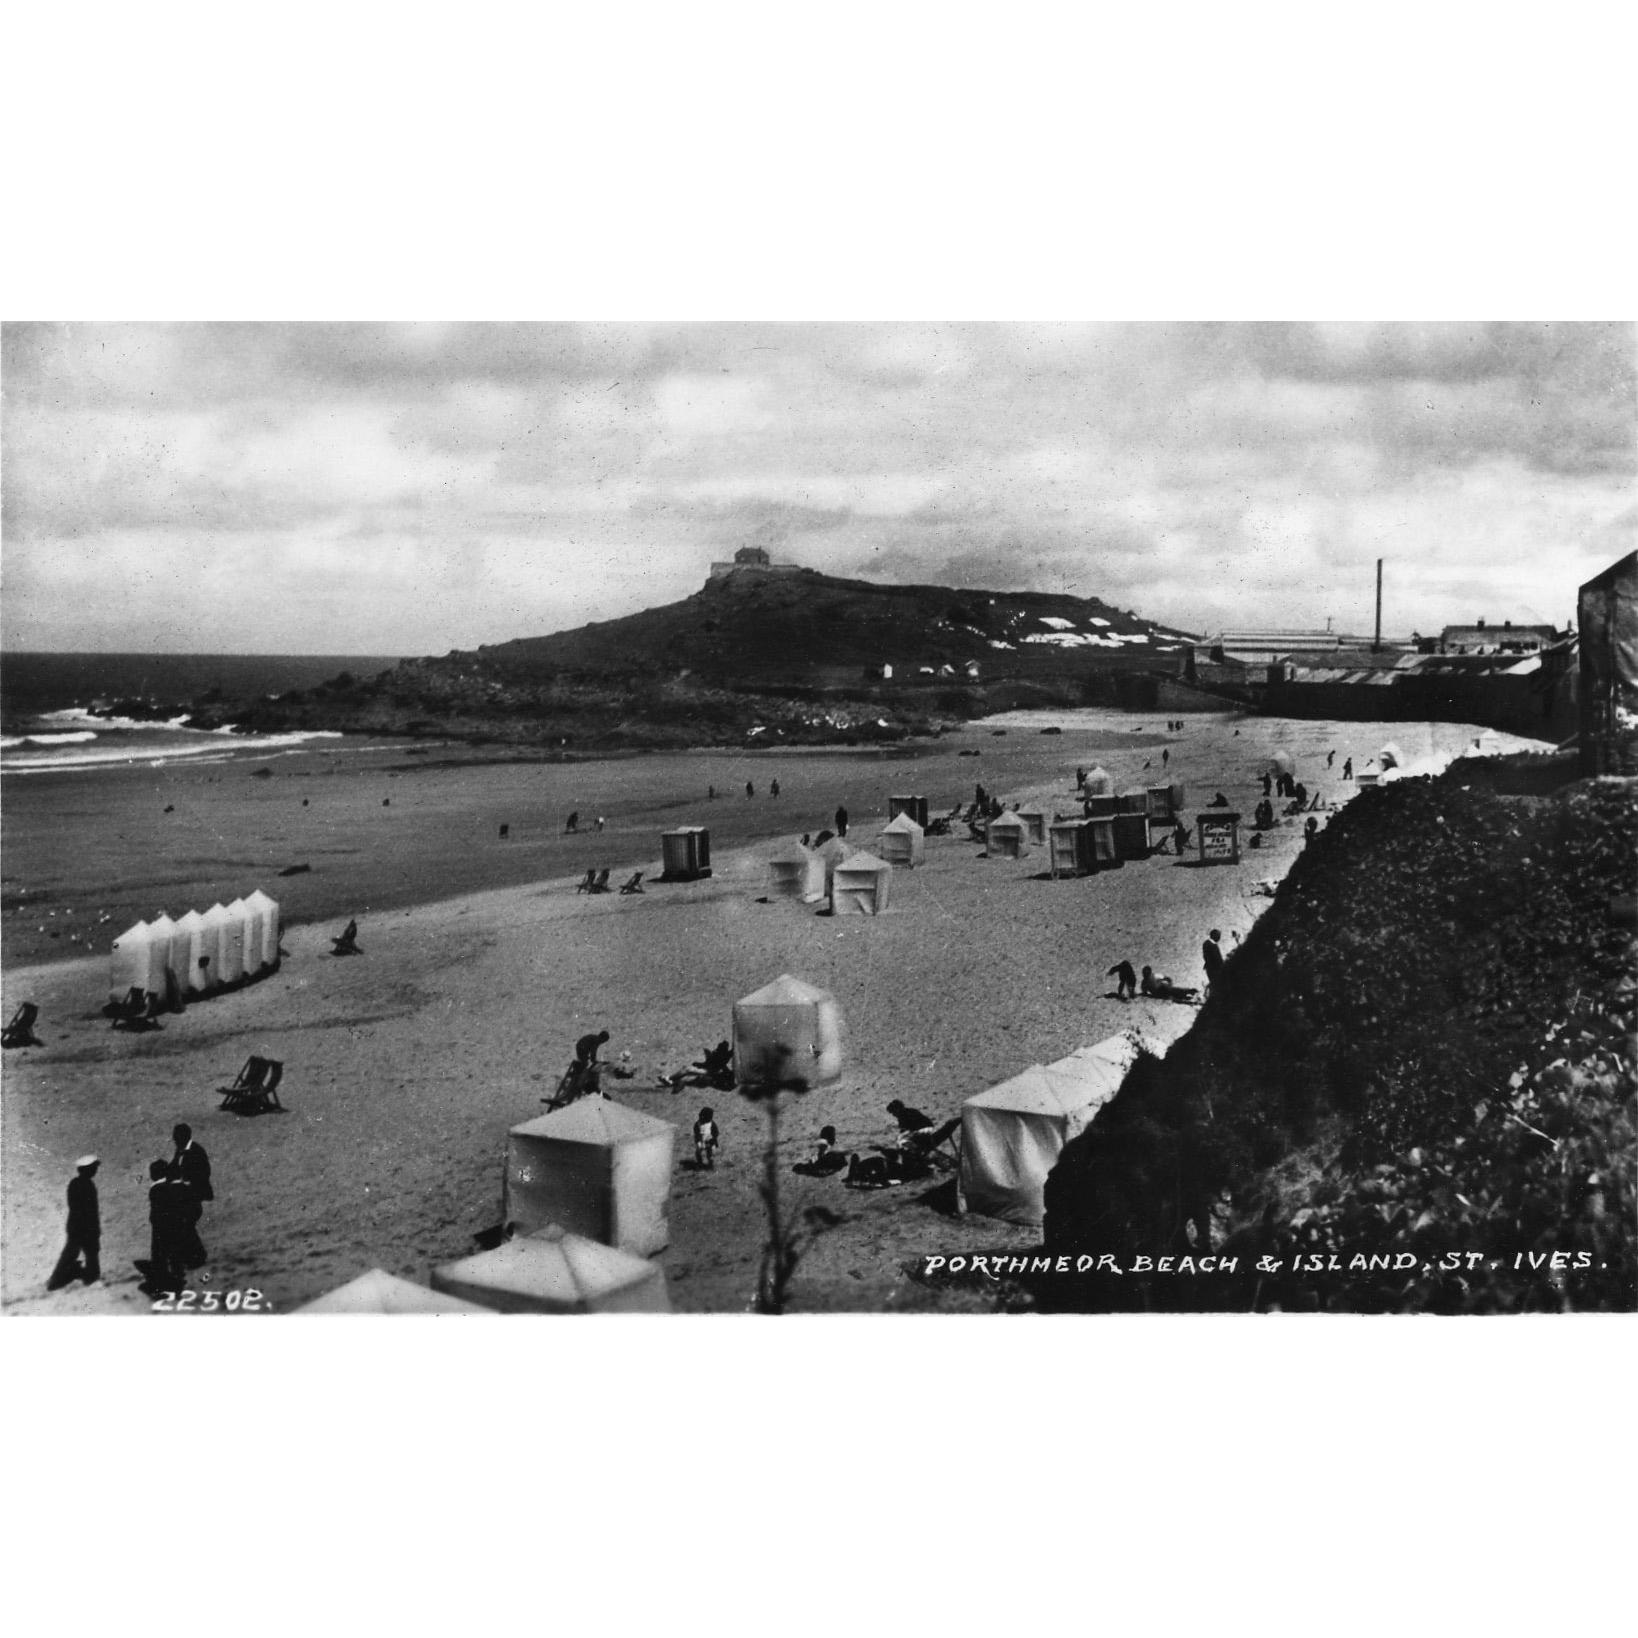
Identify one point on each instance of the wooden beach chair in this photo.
(139, 1010)
(938, 1146)
(589, 885)
(600, 884)
(635, 885)
(20, 1031)
(347, 944)
(256, 1089)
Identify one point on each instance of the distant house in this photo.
(752, 560)
(1503, 639)
(886, 671)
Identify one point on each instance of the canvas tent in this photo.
(162, 936)
(915, 806)
(595, 1168)
(1098, 783)
(138, 962)
(186, 948)
(555, 1272)
(796, 872)
(1280, 762)
(1007, 837)
(903, 842)
(379, 1292)
(1012, 1134)
(268, 910)
(224, 944)
(862, 885)
(832, 853)
(788, 1028)
(253, 932)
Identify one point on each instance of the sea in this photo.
(48, 705)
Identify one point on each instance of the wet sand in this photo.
(406, 1065)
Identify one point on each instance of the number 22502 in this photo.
(249, 1301)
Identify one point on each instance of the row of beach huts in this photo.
(201, 953)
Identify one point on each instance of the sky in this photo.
(410, 489)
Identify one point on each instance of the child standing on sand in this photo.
(706, 1138)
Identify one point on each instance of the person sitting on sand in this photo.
(572, 823)
(706, 1138)
(869, 1172)
(1127, 985)
(1218, 801)
(827, 1145)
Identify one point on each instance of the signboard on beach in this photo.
(1219, 838)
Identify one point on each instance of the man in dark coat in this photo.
(84, 1237)
(910, 1120)
(1211, 952)
(168, 1201)
(841, 821)
(585, 1049)
(190, 1167)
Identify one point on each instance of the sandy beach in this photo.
(404, 1068)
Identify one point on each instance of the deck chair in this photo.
(347, 944)
(589, 885)
(256, 1089)
(20, 1031)
(139, 1010)
(939, 1146)
(635, 885)
(578, 1081)
(601, 884)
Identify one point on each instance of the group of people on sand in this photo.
(1157, 987)
(178, 1190)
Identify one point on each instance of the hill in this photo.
(790, 656)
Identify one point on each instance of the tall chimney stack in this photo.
(1376, 646)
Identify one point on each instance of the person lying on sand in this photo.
(827, 1160)
(1160, 988)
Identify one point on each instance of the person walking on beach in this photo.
(573, 823)
(1165, 758)
(166, 1201)
(1348, 769)
(1127, 980)
(710, 793)
(841, 821)
(1211, 952)
(82, 1252)
(706, 1138)
(190, 1167)
(1268, 785)
(1330, 759)
(750, 790)
(773, 789)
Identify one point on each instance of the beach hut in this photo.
(161, 936)
(1132, 801)
(796, 872)
(1069, 849)
(1280, 762)
(268, 909)
(255, 925)
(687, 853)
(861, 885)
(1007, 837)
(1012, 1135)
(1104, 806)
(212, 922)
(788, 1028)
(138, 964)
(831, 854)
(378, 1292)
(554, 1272)
(1098, 782)
(915, 806)
(187, 945)
(1100, 830)
(1160, 803)
(595, 1168)
(1131, 834)
(233, 938)
(903, 842)
(1037, 821)
(1177, 797)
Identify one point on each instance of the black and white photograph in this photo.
(819, 818)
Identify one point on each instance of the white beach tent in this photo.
(788, 1028)
(1390, 756)
(796, 872)
(1007, 837)
(378, 1292)
(832, 853)
(230, 959)
(555, 1272)
(1035, 821)
(862, 885)
(215, 920)
(903, 842)
(187, 945)
(268, 909)
(137, 964)
(161, 936)
(1012, 1134)
(255, 926)
(595, 1168)
(1280, 762)
(1098, 783)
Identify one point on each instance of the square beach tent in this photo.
(686, 852)
(554, 1272)
(903, 842)
(187, 945)
(1036, 820)
(379, 1292)
(138, 964)
(1098, 782)
(268, 910)
(225, 945)
(1012, 1135)
(861, 885)
(255, 926)
(595, 1168)
(796, 872)
(915, 806)
(1071, 848)
(162, 937)
(1007, 837)
(832, 853)
(789, 1028)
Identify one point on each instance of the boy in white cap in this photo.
(84, 1229)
